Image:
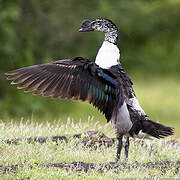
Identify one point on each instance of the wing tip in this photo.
(10, 73)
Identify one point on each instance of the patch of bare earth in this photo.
(85, 167)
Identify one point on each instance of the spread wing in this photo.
(78, 79)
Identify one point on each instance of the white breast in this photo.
(108, 55)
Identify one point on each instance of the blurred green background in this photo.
(39, 31)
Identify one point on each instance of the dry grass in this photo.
(31, 156)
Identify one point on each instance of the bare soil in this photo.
(85, 167)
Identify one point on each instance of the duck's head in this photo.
(103, 25)
(99, 24)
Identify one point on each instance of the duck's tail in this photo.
(150, 129)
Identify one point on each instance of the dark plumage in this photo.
(78, 78)
(104, 85)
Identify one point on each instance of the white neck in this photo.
(108, 55)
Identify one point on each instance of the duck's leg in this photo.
(126, 147)
(119, 147)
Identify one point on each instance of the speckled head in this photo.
(103, 25)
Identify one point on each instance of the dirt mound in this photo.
(87, 138)
(85, 167)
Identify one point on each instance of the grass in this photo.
(26, 154)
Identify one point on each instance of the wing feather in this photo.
(73, 79)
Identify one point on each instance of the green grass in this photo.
(29, 154)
